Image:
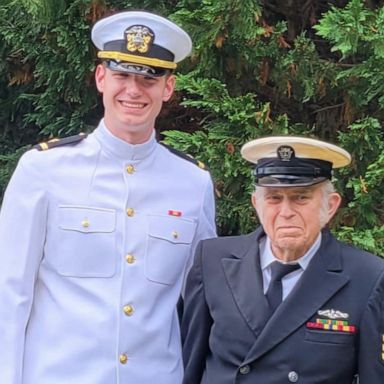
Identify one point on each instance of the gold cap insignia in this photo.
(139, 38)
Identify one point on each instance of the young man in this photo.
(287, 303)
(97, 231)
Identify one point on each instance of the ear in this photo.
(334, 201)
(254, 201)
(169, 87)
(100, 77)
(258, 207)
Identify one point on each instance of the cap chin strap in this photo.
(118, 56)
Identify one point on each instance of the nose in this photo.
(286, 209)
(133, 86)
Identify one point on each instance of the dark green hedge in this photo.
(258, 68)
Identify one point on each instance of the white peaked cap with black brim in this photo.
(291, 161)
(140, 42)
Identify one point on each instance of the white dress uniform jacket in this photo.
(95, 241)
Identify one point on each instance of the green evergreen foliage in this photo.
(56, 64)
(334, 96)
(8, 163)
(258, 68)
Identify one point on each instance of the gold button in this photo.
(130, 212)
(85, 223)
(128, 310)
(175, 235)
(123, 358)
(130, 169)
(130, 259)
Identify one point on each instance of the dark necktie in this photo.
(275, 289)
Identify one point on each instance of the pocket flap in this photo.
(86, 219)
(174, 229)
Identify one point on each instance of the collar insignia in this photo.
(333, 314)
(285, 153)
(139, 38)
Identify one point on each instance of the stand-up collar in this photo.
(121, 148)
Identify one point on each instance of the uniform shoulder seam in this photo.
(186, 156)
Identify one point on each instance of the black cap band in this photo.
(298, 171)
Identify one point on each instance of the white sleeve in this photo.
(22, 233)
(206, 227)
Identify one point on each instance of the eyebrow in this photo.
(295, 191)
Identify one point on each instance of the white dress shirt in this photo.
(289, 280)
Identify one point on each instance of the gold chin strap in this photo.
(136, 59)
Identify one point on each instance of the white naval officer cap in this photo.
(140, 42)
(291, 161)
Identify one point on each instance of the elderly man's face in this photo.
(293, 217)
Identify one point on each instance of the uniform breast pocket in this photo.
(168, 248)
(85, 245)
(330, 337)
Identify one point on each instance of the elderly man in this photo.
(288, 302)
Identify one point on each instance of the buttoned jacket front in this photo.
(229, 339)
(95, 239)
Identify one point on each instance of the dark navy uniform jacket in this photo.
(228, 340)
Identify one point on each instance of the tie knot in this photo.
(279, 270)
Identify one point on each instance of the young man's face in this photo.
(293, 217)
(132, 102)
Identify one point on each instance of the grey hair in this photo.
(327, 188)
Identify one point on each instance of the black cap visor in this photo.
(136, 69)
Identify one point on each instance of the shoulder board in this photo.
(60, 142)
(185, 156)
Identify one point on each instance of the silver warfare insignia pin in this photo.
(333, 314)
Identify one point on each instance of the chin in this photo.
(291, 244)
